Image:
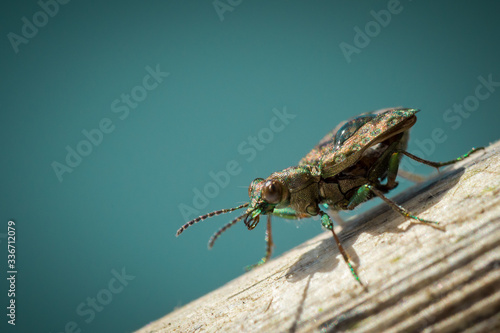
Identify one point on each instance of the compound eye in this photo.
(272, 191)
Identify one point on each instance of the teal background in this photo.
(120, 207)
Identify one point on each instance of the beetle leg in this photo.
(289, 213)
(391, 167)
(413, 177)
(334, 214)
(416, 178)
(326, 221)
(269, 248)
(392, 171)
(437, 165)
(401, 210)
(361, 195)
(388, 163)
(269, 240)
(286, 213)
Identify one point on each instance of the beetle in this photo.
(356, 161)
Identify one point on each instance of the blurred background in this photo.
(122, 120)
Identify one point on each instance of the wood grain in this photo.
(418, 278)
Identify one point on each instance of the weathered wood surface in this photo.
(418, 278)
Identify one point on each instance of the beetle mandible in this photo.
(357, 160)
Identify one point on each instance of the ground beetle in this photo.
(346, 168)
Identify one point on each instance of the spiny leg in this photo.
(326, 221)
(286, 213)
(416, 178)
(401, 210)
(269, 248)
(437, 165)
(269, 240)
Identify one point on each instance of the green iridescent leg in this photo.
(437, 165)
(361, 195)
(269, 248)
(334, 214)
(288, 213)
(388, 162)
(327, 222)
(392, 172)
(401, 210)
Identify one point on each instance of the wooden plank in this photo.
(418, 278)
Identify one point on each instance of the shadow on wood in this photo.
(418, 278)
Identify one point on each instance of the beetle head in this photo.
(264, 195)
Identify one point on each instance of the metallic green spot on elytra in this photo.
(365, 140)
(392, 121)
(363, 131)
(339, 159)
